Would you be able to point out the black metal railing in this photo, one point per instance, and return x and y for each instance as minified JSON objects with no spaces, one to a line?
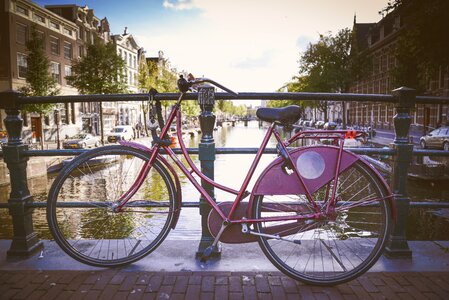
{"x":16,"y":155}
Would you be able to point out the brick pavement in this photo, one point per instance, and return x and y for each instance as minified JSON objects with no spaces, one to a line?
{"x":120,"y":284}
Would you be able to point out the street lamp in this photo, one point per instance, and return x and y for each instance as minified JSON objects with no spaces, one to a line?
{"x":57,"y":120}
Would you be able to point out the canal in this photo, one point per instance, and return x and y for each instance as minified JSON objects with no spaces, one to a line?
{"x":230,"y":170}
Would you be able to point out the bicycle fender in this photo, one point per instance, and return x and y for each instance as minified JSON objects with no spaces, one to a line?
{"x":178,"y":200}
{"x":318,"y":169}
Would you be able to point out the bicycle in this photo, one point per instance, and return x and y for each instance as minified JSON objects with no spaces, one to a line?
{"x":321,"y":214}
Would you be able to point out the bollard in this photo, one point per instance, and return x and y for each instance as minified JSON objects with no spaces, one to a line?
{"x":397,"y":246}
{"x":206,"y":149}
{"x":25,"y":241}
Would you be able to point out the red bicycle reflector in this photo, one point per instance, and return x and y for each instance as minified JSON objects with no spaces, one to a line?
{"x":351,"y":134}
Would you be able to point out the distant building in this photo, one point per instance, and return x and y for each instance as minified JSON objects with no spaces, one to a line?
{"x":129,"y":112}
{"x":378,"y":40}
{"x":88,"y":28}
{"x":17,"y":17}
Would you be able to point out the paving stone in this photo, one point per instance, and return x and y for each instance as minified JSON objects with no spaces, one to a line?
{"x":236,"y":296}
{"x":262,"y":285}
{"x":208,"y":284}
{"x":193,"y":291}
{"x":289,"y":285}
{"x":221,"y":292}
{"x":249,"y":292}
{"x":155,"y":283}
{"x":206,"y":296}
{"x":181,"y":284}
{"x":128,"y":282}
{"x":235,"y":284}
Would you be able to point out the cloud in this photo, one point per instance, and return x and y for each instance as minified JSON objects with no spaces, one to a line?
{"x":179,"y":4}
{"x":303,"y":41}
{"x":262,"y":61}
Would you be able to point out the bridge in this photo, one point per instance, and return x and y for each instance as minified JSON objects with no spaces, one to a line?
{"x":25,"y":242}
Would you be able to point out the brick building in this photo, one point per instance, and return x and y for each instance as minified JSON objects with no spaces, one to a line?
{"x":378,"y":41}
{"x":17,"y":17}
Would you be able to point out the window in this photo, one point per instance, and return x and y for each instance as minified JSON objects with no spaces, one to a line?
{"x":120,"y":52}
{"x":130,"y":79}
{"x":67,"y":71}
{"x":126,"y":57}
{"x":39,"y":18}
{"x":135,"y":62}
{"x":130,"y":60}
{"x":22,"y":65}
{"x":21,"y":10}
{"x":54,"y":45}
{"x":56,"y":71}
{"x":80,"y":33}
{"x":67,"y":31}
{"x":67,"y":50}
{"x":54,"y":25}
{"x":21,"y":33}
{"x":80,"y":51}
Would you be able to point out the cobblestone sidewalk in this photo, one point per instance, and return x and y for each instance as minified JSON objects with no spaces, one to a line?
{"x":118,"y":284}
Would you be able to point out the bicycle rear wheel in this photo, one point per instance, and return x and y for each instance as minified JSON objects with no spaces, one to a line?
{"x":82,"y":199}
{"x":328,"y":251}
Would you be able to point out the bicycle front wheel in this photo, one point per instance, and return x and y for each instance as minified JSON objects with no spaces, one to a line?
{"x":331,"y":250}
{"x":82,"y":200}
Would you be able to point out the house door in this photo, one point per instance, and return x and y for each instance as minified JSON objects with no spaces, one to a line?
{"x":36,"y":129}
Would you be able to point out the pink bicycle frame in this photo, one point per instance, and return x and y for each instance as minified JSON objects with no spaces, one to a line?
{"x":241,"y":193}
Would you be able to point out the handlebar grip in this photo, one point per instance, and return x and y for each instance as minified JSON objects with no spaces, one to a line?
{"x":183,"y":84}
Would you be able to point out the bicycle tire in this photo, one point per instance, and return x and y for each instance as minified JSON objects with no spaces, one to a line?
{"x":93,"y":233}
{"x":324,"y":252}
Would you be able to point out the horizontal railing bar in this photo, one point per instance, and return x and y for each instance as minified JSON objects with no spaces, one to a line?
{"x":241,"y":96}
{"x":365,"y":151}
{"x":426,"y":204}
{"x":74,"y":152}
{"x":425,"y":152}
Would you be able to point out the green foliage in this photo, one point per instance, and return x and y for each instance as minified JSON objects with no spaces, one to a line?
{"x":424,"y":44}
{"x":38,"y":78}
{"x":101,"y":71}
{"x":329,"y":65}
{"x":228,"y":107}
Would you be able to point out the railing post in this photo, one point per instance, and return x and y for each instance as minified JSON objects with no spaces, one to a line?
{"x":397,"y":246}
{"x":25,"y":241}
{"x":206,"y":149}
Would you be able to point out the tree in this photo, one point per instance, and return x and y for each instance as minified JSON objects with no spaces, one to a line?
{"x":39,"y":82}
{"x":329,"y":65}
{"x":100,"y":71}
{"x":423,"y":46}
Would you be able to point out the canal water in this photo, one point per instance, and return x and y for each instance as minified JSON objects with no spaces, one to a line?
{"x":230,"y":170}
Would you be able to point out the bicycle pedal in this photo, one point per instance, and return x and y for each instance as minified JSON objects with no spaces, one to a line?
{"x":207,"y":253}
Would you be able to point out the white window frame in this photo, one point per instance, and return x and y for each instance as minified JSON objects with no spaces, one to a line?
{"x":24,"y":59}
{"x":58,"y":68}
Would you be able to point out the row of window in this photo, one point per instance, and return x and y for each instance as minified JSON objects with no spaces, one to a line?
{"x":129,"y":58}
{"x":41,"y":19}
{"x":55,"y":42}
{"x":55,"y":68}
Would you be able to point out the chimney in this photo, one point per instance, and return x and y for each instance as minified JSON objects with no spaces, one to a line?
{"x":125,"y":32}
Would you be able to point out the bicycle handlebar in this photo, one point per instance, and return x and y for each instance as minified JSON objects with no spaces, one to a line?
{"x":184,"y":85}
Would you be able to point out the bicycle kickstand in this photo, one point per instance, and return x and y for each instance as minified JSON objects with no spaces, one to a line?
{"x":209,"y":250}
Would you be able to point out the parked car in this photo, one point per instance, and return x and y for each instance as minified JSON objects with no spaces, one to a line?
{"x":438,"y":138}
{"x":120,"y":133}
{"x":330,"y":126}
{"x":319,"y":124}
{"x":81,"y":141}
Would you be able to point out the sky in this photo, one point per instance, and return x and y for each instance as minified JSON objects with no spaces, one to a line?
{"x":246,"y":45}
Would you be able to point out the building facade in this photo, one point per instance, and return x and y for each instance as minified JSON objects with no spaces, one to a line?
{"x":129,"y":112}
{"x":378,"y":41}
{"x":88,"y":29}
{"x":18,"y":18}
